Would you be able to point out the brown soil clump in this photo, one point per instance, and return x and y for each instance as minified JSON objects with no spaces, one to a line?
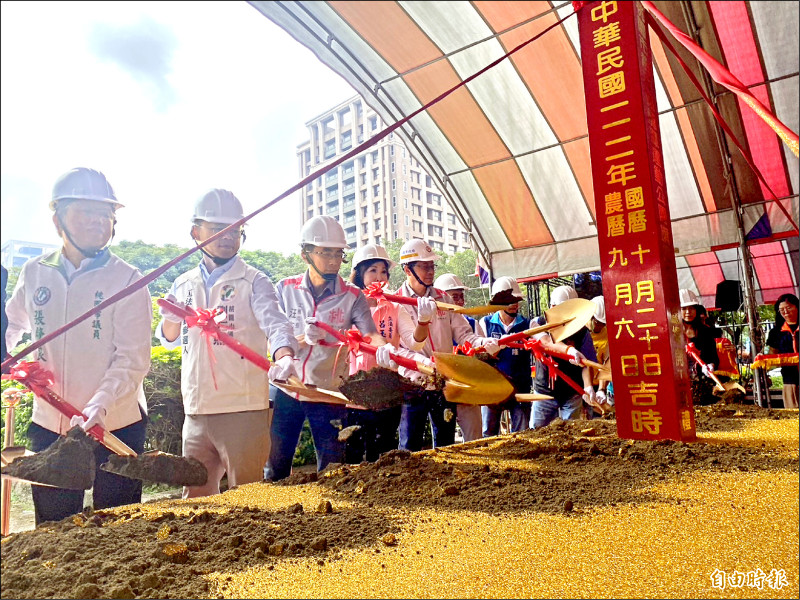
{"x":158,"y":467}
{"x":379,"y":388}
{"x":67,"y":463}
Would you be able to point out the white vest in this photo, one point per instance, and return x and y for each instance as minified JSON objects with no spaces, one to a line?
{"x":107,"y":354}
{"x":323,"y":366}
{"x":240,"y":385}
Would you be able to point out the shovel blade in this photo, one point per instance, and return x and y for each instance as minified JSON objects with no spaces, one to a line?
{"x":578,"y":310}
{"x":471,"y":381}
{"x":158,"y":467}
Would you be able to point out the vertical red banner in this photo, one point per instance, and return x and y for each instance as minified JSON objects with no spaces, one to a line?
{"x":649,"y":366}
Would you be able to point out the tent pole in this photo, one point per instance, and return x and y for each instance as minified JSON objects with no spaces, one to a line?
{"x":760,"y":389}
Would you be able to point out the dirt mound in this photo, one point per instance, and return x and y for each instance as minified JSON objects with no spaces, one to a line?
{"x":125,"y":554}
{"x":569,"y":468}
{"x":563,"y":467}
{"x":158,"y":467}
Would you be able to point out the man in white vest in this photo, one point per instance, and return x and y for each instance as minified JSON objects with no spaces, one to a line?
{"x":99,"y":364}
{"x":225,"y":397}
{"x":445,"y":329}
{"x":319,"y":294}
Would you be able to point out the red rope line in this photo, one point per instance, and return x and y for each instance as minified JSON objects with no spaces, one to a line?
{"x":297,"y":186}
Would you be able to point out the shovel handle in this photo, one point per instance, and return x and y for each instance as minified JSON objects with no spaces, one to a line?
{"x":692,"y":350}
{"x":365,"y":347}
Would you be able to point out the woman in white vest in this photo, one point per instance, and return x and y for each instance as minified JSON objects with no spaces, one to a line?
{"x":378,"y":428}
{"x":99,"y":364}
{"x":225,"y":397}
{"x":319,"y":294}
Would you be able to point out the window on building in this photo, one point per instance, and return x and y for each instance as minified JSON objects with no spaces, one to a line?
{"x":362,"y":162}
{"x":405,"y":219}
{"x":393,"y":168}
{"x":407,"y":236}
{"x":453,"y":234}
{"x":404,"y":167}
{"x":394,"y":219}
{"x":437,"y":245}
{"x":377,"y":224}
{"x":373,"y":123}
{"x":374,"y":157}
{"x":391,"y":148}
{"x":394,"y":184}
{"x":395,"y":234}
{"x":405,"y":186}
{"x":376,"y":189}
{"x":364,"y":211}
{"x":362,"y":179}
{"x":310,"y":214}
{"x":364,"y":229}
{"x":310,"y":200}
{"x":394,"y":201}
{"x":347,"y":140}
{"x":376,"y":208}
{"x":465,"y":237}
{"x":453,"y":249}
{"x":330,"y":148}
{"x":405,"y":203}
{"x":451,"y":219}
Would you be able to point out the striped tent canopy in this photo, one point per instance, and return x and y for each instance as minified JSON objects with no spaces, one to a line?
{"x":510,"y":149}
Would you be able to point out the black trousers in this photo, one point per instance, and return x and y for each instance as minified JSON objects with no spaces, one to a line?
{"x":55,"y":504}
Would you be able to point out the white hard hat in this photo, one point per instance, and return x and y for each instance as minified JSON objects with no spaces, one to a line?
{"x":689,"y":298}
{"x":448,"y":282}
{"x":416,"y":249}
{"x":83,"y":184}
{"x":323,"y":231}
{"x":600,"y":311}
{"x":218,"y":206}
{"x":370,"y":252}
{"x":561,"y":294}
{"x":505,"y":283}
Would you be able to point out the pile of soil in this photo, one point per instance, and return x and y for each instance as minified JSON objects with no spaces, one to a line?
{"x":567,"y":468}
{"x":158,"y":467}
{"x":379,"y":388}
{"x":67,"y":463}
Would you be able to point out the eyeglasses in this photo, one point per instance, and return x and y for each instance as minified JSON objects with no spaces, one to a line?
{"x":95,"y":213}
{"x":215,"y":229}
{"x":335,"y":254}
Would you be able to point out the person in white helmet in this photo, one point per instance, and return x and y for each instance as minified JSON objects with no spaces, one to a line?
{"x":226,"y":398}
{"x":98,"y":365}
{"x":599,"y":332}
{"x":445,"y":328}
{"x":566,"y":404}
{"x":701,"y":335}
{"x":319,"y":294}
{"x":452,"y":284}
{"x":514,"y":363}
{"x":378,"y":428}
{"x":469,"y":415}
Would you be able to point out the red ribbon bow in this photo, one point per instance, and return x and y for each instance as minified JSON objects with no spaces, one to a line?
{"x":375,"y":290}
{"x":206,"y":320}
{"x":467,"y":349}
{"x":31,"y":374}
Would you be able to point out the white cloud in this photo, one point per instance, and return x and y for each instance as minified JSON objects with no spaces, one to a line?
{"x":168,"y":99}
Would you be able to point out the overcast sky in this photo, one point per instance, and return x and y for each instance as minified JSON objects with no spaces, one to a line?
{"x":168,"y":99}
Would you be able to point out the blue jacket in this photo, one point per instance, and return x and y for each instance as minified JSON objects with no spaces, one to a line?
{"x":512,"y":362}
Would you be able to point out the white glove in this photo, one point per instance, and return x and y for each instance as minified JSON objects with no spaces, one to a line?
{"x":491,"y":346}
{"x":313,"y":334}
{"x":601,"y":397}
{"x":707,"y":370}
{"x":282,"y":369}
{"x":577,"y":357}
{"x":93,"y":414}
{"x":590,"y":397}
{"x":383,"y":359}
{"x":169,"y":315}
{"x":426,"y":309}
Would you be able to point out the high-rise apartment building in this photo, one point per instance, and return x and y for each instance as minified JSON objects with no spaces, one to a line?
{"x":381,"y":195}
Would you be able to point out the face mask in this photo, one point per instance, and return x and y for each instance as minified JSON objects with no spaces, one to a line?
{"x":330,"y":276}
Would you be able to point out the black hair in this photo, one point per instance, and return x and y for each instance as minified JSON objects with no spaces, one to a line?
{"x":791,"y":299}
{"x":357,"y":274}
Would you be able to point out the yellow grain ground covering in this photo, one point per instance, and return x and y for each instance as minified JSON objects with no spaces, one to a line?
{"x":732,"y":522}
